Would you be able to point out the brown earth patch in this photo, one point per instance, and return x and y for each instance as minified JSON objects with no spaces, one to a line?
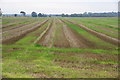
{"x":60,"y":39}
{"x":46,"y":39}
{"x":39,"y":75}
{"x":75,"y":40}
{"x":6,"y":25}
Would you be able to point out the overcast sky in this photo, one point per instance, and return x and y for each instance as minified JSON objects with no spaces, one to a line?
{"x":58,"y":6}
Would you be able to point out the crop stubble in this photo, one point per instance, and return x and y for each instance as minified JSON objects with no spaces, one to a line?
{"x":20,"y":33}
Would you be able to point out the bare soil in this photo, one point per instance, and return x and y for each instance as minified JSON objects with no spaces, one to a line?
{"x":46,"y":39}
{"x":74,"y":39}
{"x":60,"y":39}
{"x":6,"y":25}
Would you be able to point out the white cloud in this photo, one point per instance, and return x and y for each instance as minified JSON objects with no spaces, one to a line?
{"x":58,"y":6}
{"x":59,"y":0}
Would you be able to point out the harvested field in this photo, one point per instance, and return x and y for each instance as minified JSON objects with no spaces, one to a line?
{"x":11,"y":27}
{"x":102,"y":25}
{"x":59,"y":47}
{"x":106,"y":29}
{"x":17,"y":33}
{"x":52,"y":38}
{"x":61,"y":36}
{"x":106,"y":38}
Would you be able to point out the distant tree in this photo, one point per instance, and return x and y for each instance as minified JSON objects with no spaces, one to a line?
{"x":15,"y":15}
{"x":118,"y":15}
{"x":66,"y":15}
{"x":63,"y":15}
{"x":85,"y":14}
{"x":44,"y":15}
{"x":40,"y":15}
{"x":89,"y":14}
{"x":50,"y":15}
{"x":0,"y":12}
{"x":34,"y":14}
{"x":23,"y":13}
{"x":74,"y":15}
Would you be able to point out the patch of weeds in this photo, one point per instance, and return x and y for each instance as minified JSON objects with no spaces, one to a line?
{"x":105,"y":62}
{"x":38,"y":45}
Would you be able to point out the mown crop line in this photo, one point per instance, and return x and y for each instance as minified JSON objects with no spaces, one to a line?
{"x":22,"y":34}
{"x":101,"y":29}
{"x":18,"y":27}
{"x":16,"y":23}
{"x":98,"y":34}
{"x":84,"y":41}
{"x":64,"y":30}
{"x":53,"y":34}
{"x":49,"y":25}
{"x":74,"y":50}
{"x":44,"y":32}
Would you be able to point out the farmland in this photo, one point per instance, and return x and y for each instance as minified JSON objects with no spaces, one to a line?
{"x":59,"y":47}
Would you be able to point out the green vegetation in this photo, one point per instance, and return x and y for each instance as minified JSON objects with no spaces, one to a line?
{"x":34,"y":59}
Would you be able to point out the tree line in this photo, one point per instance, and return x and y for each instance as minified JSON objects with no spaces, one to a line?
{"x":89,"y":14}
{"x":85,"y":14}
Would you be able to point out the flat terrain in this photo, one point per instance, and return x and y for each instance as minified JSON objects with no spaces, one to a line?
{"x":60,"y":47}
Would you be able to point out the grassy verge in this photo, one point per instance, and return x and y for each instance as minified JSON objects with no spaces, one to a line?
{"x":54,"y":62}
